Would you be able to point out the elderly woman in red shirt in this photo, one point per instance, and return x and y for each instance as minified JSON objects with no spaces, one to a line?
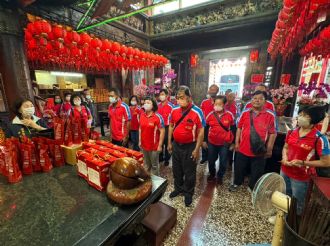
{"x":81,"y":113}
{"x":152,"y":132}
{"x":219,"y":137}
{"x":305,"y":148}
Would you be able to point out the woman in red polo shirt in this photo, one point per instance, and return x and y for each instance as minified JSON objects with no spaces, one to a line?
{"x":80,"y":114}
{"x":152,"y":132}
{"x":135,"y":114}
{"x":305,"y":148}
{"x":218,"y":135}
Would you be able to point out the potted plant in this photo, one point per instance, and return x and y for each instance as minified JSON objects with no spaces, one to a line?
{"x":280,"y":97}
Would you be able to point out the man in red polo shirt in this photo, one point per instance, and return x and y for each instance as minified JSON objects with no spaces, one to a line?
{"x":264,"y":122}
{"x":187,"y":127}
{"x":120,"y":117}
{"x":268,"y":105}
{"x":165,"y":109}
{"x":207,"y":107}
{"x":231,"y":104}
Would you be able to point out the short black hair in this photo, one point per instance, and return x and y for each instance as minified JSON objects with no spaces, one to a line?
{"x":137,"y":100}
{"x":317,"y":113}
{"x":18,"y":104}
{"x":115,"y":90}
{"x":75,"y":96}
{"x":260,"y":93}
{"x":154,"y":103}
{"x":164,"y":90}
{"x":185,"y":89}
{"x":221,"y":97}
{"x":67,"y":94}
{"x":86,"y":90}
{"x":229,"y":90}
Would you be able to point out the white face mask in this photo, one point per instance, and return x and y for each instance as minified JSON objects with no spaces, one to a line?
{"x":28,"y":111}
{"x":162,"y":98}
{"x":218,"y":108}
{"x":77,"y":103}
{"x":67,"y":99}
{"x":147,"y":107}
{"x":133,"y":103}
{"x":173,"y":98}
{"x":303,"y":121}
{"x":88,"y":97}
{"x":112,"y":100}
{"x":208,"y":96}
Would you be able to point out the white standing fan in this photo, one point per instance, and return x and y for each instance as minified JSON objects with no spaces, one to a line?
{"x":268,"y":198}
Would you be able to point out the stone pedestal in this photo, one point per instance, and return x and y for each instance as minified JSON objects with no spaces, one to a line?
{"x":13,"y":62}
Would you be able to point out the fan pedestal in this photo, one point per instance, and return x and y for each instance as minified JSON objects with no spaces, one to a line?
{"x":278,"y":229}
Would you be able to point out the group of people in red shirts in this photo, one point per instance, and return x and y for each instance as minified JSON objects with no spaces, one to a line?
{"x":163,"y":130}
{"x":306,"y":151}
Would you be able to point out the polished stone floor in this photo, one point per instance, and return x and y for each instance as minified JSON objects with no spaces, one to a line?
{"x":230,"y":218}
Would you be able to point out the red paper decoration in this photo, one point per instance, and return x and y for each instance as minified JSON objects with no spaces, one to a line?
{"x":254,"y":56}
{"x":257,"y":78}
{"x":193,"y":60}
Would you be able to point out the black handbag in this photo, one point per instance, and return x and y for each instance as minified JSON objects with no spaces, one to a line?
{"x":258,"y":146}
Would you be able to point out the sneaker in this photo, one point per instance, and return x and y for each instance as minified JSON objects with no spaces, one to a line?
{"x":187,"y":200}
{"x":203,"y":161}
{"x":272,"y":219}
{"x":175,"y":194}
{"x":233,"y":188}
{"x":210,"y":178}
{"x":166,"y":163}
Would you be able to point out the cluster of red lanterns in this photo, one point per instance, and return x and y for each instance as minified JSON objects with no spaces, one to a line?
{"x":319,"y":45}
{"x":57,"y":46}
{"x":296,"y":20}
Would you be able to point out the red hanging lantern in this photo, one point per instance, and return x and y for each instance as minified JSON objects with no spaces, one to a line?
{"x":59,"y":32}
{"x":42,"y":27}
{"x":27,"y":35}
{"x":123,"y":51}
{"x":106,"y":45}
{"x":32,"y":44}
{"x":96,"y":43}
{"x":254,"y":56}
{"x":115,"y":48}
{"x":30,"y":27}
{"x":72,"y":38}
{"x":85,"y":39}
{"x":193,"y":60}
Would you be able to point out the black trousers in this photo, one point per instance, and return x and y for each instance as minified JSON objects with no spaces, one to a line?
{"x":204,"y":154}
{"x":165,"y":155}
{"x":240,"y":166}
{"x":116,"y":142}
{"x":184,"y":168}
